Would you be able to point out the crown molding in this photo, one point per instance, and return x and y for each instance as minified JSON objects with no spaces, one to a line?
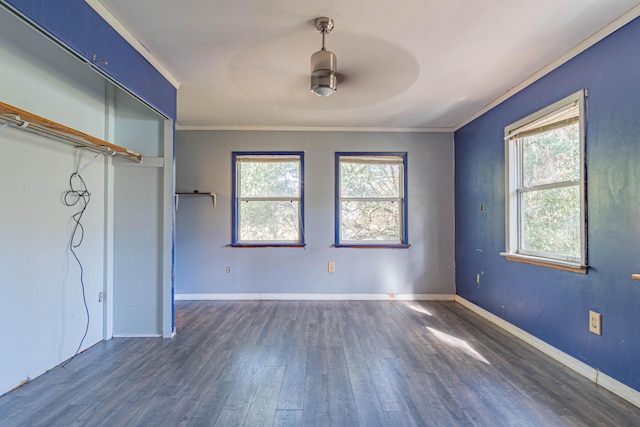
{"x":313,"y":129}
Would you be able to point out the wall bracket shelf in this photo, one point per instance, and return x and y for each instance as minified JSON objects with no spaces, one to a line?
{"x":197,"y":193}
{"x":36,"y":124}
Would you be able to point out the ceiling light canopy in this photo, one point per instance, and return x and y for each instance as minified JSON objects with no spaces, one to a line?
{"x":324,"y":74}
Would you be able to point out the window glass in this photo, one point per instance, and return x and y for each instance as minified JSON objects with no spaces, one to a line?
{"x":371,"y":200}
{"x":269,"y":177}
{"x":551,"y":156}
{"x":551,"y":222}
{"x":268,"y":221}
{"x":370,"y":221}
{"x":369,"y":179}
{"x":546,"y":194}
{"x":268,"y":203}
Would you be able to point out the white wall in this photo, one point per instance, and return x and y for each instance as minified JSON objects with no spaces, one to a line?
{"x":126,"y":252}
{"x":41,"y":306}
{"x":203,"y":162}
{"x":139,"y":197}
{"x":138,"y":252}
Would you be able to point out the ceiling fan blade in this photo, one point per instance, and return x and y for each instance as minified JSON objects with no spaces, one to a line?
{"x":342,"y":79}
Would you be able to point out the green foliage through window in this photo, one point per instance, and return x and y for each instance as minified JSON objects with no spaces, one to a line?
{"x":546,"y":182}
{"x":551,"y":216}
{"x":371,"y":198}
{"x":268,"y":205}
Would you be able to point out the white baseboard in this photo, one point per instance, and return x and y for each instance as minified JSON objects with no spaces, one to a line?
{"x":137,"y":335}
{"x":605,"y":381}
{"x":316,"y":297}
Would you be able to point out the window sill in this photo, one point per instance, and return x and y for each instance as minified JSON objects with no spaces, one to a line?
{"x":546,"y":262}
{"x":372,"y":246}
{"x":267,"y":245}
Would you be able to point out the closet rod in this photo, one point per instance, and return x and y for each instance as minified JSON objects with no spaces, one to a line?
{"x":33,"y":123}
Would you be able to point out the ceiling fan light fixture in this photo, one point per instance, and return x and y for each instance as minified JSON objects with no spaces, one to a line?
{"x":324,"y":79}
{"x":324,"y":74}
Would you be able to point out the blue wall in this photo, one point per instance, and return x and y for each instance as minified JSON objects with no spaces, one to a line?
{"x":75,"y":24}
{"x":551,"y":304}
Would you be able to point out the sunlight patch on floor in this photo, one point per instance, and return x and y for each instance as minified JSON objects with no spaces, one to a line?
{"x":418,"y":308}
{"x":459,"y":343}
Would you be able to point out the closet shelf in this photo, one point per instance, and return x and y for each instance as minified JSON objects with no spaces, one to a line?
{"x":34,"y":123}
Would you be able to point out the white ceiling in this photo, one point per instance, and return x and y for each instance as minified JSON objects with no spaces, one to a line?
{"x":412,"y":64}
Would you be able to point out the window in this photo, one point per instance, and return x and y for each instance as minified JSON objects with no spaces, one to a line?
{"x":545,"y":161}
{"x":371,"y":202}
{"x":268,"y":199}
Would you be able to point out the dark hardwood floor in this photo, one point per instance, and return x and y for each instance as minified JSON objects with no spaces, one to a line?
{"x":323,"y":363}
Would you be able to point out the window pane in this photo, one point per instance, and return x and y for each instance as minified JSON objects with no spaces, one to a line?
{"x":269,"y":220}
{"x":552,"y":156}
{"x":262,"y":178}
{"x":370,"y":220}
{"x":551,"y":221}
{"x":370,"y":180}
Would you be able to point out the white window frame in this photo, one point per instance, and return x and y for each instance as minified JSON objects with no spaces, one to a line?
{"x":399,"y":158}
{"x":265,"y":156}
{"x":514,"y":187}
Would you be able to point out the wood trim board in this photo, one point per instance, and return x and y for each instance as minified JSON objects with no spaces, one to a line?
{"x":316,"y":297}
{"x":81,"y":139}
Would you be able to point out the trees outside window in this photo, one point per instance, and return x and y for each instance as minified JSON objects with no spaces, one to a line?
{"x":268,"y":206}
{"x":371,"y":202}
{"x":546,"y":184}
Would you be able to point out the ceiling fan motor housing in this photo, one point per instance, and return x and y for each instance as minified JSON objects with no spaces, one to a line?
{"x":323,"y":73}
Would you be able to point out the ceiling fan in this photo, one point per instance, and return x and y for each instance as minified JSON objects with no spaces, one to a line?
{"x":324,"y":66}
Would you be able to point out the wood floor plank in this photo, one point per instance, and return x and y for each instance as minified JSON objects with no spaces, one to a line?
{"x":288,"y":418}
{"x":341,"y":401}
{"x":291,"y":394}
{"x":389,"y":385}
{"x":316,"y":401}
{"x":237,"y":406}
{"x":210,"y":404}
{"x":265,"y":401}
{"x":317,"y":363}
{"x":351,"y":342}
{"x":324,"y":363}
{"x":404,"y":419}
{"x":367,"y":403}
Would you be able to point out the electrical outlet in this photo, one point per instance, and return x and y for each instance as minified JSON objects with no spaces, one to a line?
{"x":595,"y":322}
{"x":332,"y":267}
{"x":478,"y":279}
{"x":228,"y":269}
{"x":100,"y":296}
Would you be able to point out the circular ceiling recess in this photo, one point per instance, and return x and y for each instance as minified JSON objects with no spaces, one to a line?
{"x":276,"y":70}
